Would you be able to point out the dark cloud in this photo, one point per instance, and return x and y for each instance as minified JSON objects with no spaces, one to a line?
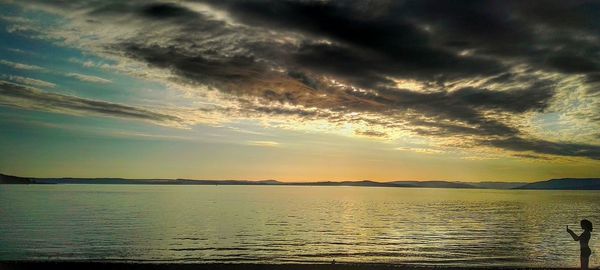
{"x":515,"y":100}
{"x":248,"y":77}
{"x":535,"y":98}
{"x":371,"y":133}
{"x":440,"y":113}
{"x":305,"y":79}
{"x":166,"y":10}
{"x":400,"y":46}
{"x":569,"y":63}
{"x":329,"y":59}
{"x":304,"y":114}
{"x":576,"y":15}
{"x":341,"y":62}
{"x":206,"y":69}
{"x":339,"y":21}
{"x":424,"y":37}
{"x":546,"y":147}
{"x":31,"y":98}
{"x":476,"y":126}
{"x":487,"y":27}
{"x":531,"y":156}
{"x":593,"y":78}
{"x":466,"y":105}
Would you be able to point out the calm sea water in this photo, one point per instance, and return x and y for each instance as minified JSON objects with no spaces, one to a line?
{"x":294,"y":224}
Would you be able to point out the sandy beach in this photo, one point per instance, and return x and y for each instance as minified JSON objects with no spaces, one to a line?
{"x":175,"y":266}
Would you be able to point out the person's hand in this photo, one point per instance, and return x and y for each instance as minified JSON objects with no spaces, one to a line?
{"x":568,"y":230}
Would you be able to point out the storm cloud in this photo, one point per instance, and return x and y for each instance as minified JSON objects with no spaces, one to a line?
{"x":473,"y":70}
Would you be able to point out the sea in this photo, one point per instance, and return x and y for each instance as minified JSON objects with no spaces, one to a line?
{"x":295,"y":224}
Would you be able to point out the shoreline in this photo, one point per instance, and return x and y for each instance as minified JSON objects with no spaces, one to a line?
{"x":91,"y":265}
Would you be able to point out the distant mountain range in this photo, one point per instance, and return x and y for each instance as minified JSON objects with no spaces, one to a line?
{"x":566,"y":183}
{"x":556,"y":184}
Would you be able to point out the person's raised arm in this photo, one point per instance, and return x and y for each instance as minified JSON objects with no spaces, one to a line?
{"x":575,"y":237}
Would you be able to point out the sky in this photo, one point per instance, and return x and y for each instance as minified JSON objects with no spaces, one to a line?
{"x":300,"y":90}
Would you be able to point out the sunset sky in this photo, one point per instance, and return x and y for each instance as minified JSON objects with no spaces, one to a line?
{"x":301,"y":90}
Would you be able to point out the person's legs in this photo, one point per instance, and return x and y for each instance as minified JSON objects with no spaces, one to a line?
{"x":585,"y":261}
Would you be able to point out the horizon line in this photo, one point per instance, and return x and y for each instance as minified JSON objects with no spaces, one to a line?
{"x":301,"y":182}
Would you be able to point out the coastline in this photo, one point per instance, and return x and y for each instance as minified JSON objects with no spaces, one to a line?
{"x":26,"y":265}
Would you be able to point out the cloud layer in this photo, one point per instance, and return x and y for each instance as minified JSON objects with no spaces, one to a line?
{"x":88,"y":78}
{"x":469,"y":73}
{"x":26,"y":97}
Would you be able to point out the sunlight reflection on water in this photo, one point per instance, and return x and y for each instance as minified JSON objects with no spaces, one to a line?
{"x":277,"y":224}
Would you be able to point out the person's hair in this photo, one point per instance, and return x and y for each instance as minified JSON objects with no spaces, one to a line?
{"x":587,"y":225}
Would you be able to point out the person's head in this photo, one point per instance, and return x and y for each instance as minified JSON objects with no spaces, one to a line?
{"x":587,"y":225}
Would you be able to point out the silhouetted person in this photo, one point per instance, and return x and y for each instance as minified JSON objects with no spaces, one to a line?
{"x":584,"y":240}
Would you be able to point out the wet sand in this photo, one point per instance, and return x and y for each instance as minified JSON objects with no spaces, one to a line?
{"x":183,"y":266}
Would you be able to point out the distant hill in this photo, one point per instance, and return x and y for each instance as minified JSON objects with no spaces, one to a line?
{"x":363,"y":183}
{"x":9,"y":179}
{"x":434,"y":184}
{"x":122,"y":181}
{"x":565,"y":184}
{"x":498,"y":185}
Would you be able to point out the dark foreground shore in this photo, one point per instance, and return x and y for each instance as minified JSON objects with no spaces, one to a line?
{"x":182,"y":266}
